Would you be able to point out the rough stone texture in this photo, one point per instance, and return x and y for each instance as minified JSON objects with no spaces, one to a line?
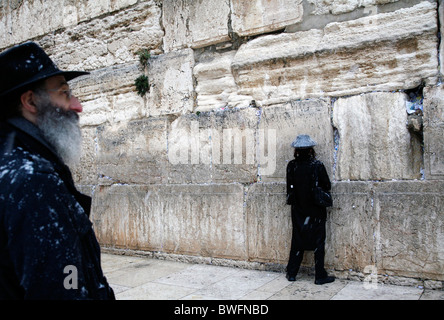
{"x":292,"y":119}
{"x":367,"y":124}
{"x":317,"y":14}
{"x":191,"y":220}
{"x":433,"y":132}
{"x":102,"y":41}
{"x":194,"y":24}
{"x":365,"y":228}
{"x":134,"y":152}
{"x":397,"y":227}
{"x":268,"y":223}
{"x":171,"y":83}
{"x":216,"y":87}
{"x":342,"y":59}
{"x":350,"y":227}
{"x":217,"y":147}
{"x":19,"y":15}
{"x":108,"y":95}
{"x":86,"y":172}
{"x":411,"y":229}
{"x":261,"y":16}
{"x":341,"y":6}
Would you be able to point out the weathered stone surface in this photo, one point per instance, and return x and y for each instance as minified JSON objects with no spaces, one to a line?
{"x":433,"y":132}
{"x":216,"y":87}
{"x":206,"y":220}
{"x":268,"y":223}
{"x":350,"y":227}
{"x":194,"y":24}
{"x":317,"y":14}
{"x":411,"y":229}
{"x":364,"y":227}
{"x":216,"y":147}
{"x":133,"y":152}
{"x":190,"y":149}
{"x":18,"y":16}
{"x":171,"y":83}
{"x":289,"y":120}
{"x":259,"y":16}
{"x":342,"y":59}
{"x":368,"y":124}
{"x":106,"y":81}
{"x":338,"y":6}
{"x":103,"y":42}
{"x":86,"y":172}
{"x":394,"y":227}
{"x":109,"y":96}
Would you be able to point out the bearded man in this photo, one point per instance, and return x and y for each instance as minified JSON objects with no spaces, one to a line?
{"x":48,"y":249}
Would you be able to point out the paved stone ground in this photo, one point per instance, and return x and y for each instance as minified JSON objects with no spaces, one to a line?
{"x":141,"y":278}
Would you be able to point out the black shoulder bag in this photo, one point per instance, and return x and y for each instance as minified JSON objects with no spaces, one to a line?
{"x":321,"y":197}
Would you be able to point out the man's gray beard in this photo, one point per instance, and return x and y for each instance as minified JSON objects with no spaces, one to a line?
{"x":61,"y":129}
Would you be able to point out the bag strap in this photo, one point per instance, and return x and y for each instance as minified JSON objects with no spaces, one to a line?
{"x":315,"y":175}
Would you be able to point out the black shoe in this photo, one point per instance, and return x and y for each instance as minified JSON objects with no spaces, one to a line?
{"x":324,"y":280}
{"x":290,"y":278}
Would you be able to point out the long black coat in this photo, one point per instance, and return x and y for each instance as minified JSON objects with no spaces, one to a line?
{"x":47,"y":245}
{"x":308,"y":219}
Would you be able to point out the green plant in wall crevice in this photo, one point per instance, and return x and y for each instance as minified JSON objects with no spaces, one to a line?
{"x":144,"y":57}
{"x":142,"y":83}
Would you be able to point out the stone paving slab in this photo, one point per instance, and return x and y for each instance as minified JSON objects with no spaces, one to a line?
{"x":141,"y":278}
{"x":356,"y":291}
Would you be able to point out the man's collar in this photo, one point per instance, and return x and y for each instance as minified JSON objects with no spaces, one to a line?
{"x":31,"y":129}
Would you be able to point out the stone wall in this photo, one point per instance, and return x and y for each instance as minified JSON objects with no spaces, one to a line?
{"x":196,"y":167}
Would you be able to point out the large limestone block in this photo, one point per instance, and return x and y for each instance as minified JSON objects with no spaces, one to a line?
{"x":261,"y":16}
{"x":133,"y":152}
{"x":18,"y":16}
{"x":344,"y":58}
{"x":433,"y":132}
{"x":109,"y":96}
{"x":194,"y":24}
{"x":337,"y":7}
{"x":216,"y":87}
{"x":106,"y":81}
{"x":351,"y":224}
{"x":374,"y":142}
{"x":216,"y":147}
{"x":411,"y":229}
{"x":312,"y":117}
{"x":86,"y":172}
{"x":202,"y":220}
{"x":268,"y":223}
{"x":106,"y":41}
{"x":171,"y":83}
{"x":190,"y":149}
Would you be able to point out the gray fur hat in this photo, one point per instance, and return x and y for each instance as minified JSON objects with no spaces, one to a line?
{"x":303,"y":141}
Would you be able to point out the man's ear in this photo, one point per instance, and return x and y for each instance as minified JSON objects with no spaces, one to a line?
{"x":27,"y":100}
{"x":29,"y":109}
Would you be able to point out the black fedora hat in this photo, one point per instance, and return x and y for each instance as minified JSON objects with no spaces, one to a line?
{"x":26,"y":64}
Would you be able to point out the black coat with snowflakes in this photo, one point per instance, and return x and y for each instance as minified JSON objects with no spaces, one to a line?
{"x":48,"y":249}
